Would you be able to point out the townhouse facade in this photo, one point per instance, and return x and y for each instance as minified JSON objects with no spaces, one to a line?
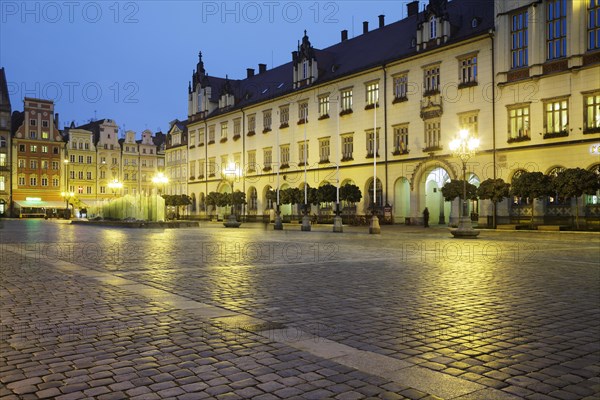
{"x":380,"y":109}
{"x":5,"y":147}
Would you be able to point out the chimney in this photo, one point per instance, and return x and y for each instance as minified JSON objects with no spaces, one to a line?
{"x":381,"y":21}
{"x":249,"y":72}
{"x":413,"y":8}
{"x":365,"y":27}
{"x":344,"y":35}
{"x":262,"y":68}
{"x":56,"y":120}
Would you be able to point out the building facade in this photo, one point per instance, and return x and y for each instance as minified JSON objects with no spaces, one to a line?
{"x":5,"y":147}
{"x":379,"y":110}
{"x":176,"y":153}
{"x":81,"y":167}
{"x":38,"y":173}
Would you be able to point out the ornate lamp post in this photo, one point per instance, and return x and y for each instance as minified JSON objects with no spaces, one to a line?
{"x":230,"y":174}
{"x":464,"y":147}
{"x":160,"y":180}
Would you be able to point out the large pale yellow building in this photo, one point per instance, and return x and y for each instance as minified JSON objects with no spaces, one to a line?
{"x":383,"y":106}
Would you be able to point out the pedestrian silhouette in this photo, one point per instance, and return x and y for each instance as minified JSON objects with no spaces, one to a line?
{"x":426,"y":218}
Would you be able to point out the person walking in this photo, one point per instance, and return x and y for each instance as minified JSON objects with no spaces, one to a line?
{"x":426,"y":218}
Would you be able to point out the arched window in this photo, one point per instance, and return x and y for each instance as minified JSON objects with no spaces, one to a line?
{"x":432,"y":28}
{"x":253,"y":199}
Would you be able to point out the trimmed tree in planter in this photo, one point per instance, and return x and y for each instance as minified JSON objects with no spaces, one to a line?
{"x":495,"y":190}
{"x":534,"y":185}
{"x":453,"y":189}
{"x":327,"y":193}
{"x":214,"y":199}
{"x":350,"y":194}
{"x":574,"y":183}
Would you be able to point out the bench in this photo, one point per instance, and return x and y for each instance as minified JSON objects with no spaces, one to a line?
{"x":507,"y":227}
{"x":553,"y":228}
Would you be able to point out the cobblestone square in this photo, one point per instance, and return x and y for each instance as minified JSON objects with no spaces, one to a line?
{"x":252,"y":313}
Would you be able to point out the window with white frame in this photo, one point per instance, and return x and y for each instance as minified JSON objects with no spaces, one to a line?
{"x":467,"y":70}
{"x":591,"y":113}
{"x":267,"y":121}
{"x":556,"y":121}
{"x":267,"y":158}
{"x":556,"y":29}
{"x":22,"y":162}
{"x":201,"y":137}
{"x":55,"y":182}
{"x":237,"y":127}
{"x":518,"y":122}
{"x":433,"y":134}
{"x":432,"y":28}
{"x":347,"y":147}
{"x":372,"y":94}
{"x":211,"y":134}
{"x":346,"y":101}
{"x":284,"y":155}
{"x":3,"y":158}
{"x":324,"y":150}
{"x":284,"y":116}
{"x":400,"y":139}
{"x":55,"y":165}
{"x":224,"y":126}
{"x":372,"y":143}
{"x":593,"y":27}
{"x":401,"y":87}
{"x":80,"y":174}
{"x":251,"y":124}
{"x":431,"y":79}
{"x":201,"y":166}
{"x":33,"y":164}
{"x":2,"y":183}
{"x":192,"y":140}
{"x":21,"y":180}
{"x":251,"y":160}
{"x":323,"y":106}
{"x":303,"y":153}
{"x":212,"y":167}
{"x":89,"y":175}
{"x":33,"y":181}
{"x":303,"y":112}
{"x":192,"y":169}
{"x":469,"y":121}
{"x":44,"y":182}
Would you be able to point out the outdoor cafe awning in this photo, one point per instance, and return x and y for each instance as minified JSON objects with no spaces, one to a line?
{"x":39,"y":204}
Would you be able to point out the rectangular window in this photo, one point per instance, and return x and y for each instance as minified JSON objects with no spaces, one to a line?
{"x":556,"y":29}
{"x":372,"y":143}
{"x":347,"y":147}
{"x":372,"y":94}
{"x":302,"y":153}
{"x":251,"y":161}
{"x":55,"y":150}
{"x":44,"y":149}
{"x":71,"y":174}
{"x":22,"y":148}
{"x":115,"y":161}
{"x":469,"y":122}
{"x":33,"y":181}
{"x":201,"y":137}
{"x":201,"y":166}
{"x":32,"y":134}
{"x":237,"y":127}
{"x":303,"y":112}
{"x":346,"y":101}
{"x":2,"y":183}
{"x":55,"y":165}
{"x":285,"y":155}
{"x":88,"y":190}
{"x":284,"y":116}
{"x":211,"y":134}
{"x":33,"y":148}
{"x":400,"y":139}
{"x":80,"y":159}
{"x":593,"y":26}
{"x":192,"y":169}
{"x":192,"y":140}
{"x":267,"y":159}
{"x":44,"y":181}
{"x":80,"y":174}
{"x":33,"y":164}
{"x":592,"y":113}
{"x":72,"y":158}
{"x":518,"y":123}
{"x":32,"y":122}
{"x":22,"y":163}
{"x":324,"y":148}
{"x":433,"y":134}
{"x":44,"y":164}
{"x":431,"y":82}
{"x":102,"y":174}
{"x":55,"y":182}
{"x":267,"y":120}
{"x":212,"y":167}
{"x":251,"y":124}
{"x":89,"y":159}
{"x":223,"y":131}
{"x":401,"y":87}
{"x":324,"y":107}
{"x":102,"y":189}
{"x":519,"y":40}
{"x":467,"y":71}
{"x":88,"y":176}
{"x":45,"y":135}
{"x":21,"y":181}
{"x":557,"y":118}
{"x":3,"y":158}
{"x":44,"y":124}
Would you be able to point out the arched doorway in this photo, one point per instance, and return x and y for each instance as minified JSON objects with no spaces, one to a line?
{"x":285,"y":209}
{"x":252,"y":200}
{"x":378,"y":203}
{"x":439,"y":209}
{"x":401,"y":208}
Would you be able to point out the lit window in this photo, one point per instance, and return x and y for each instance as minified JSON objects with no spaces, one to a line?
{"x":401,"y":139}
{"x":347,"y":147}
{"x":468,"y":70}
{"x":401,"y":87}
{"x":433,"y":134}
{"x":432,"y":79}
{"x":592,"y":113}
{"x":372,"y":92}
{"x":557,"y":117}
{"x":372,"y":143}
{"x":324,"y":147}
{"x":518,"y":123}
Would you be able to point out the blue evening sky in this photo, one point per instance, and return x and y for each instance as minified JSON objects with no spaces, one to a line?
{"x":131,"y":60}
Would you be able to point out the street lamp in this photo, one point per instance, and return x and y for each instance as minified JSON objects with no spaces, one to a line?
{"x":464,"y":147}
{"x":160,"y":180}
{"x":67,"y":196}
{"x":230,"y":174}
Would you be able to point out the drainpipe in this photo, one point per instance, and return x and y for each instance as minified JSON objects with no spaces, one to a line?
{"x":493,"y":119}
{"x":385,"y":132}
{"x":243,"y":166}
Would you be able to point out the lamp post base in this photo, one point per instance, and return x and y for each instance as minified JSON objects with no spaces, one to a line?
{"x":232,"y":222}
{"x":305,"y":223}
{"x":278,"y":226}
{"x":337,"y":224}
{"x":465,"y":229}
{"x":374,"y":227}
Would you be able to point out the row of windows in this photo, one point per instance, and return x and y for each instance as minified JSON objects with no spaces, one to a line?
{"x":33,"y":164}
{"x":33,"y":148}
{"x":556,"y":31}
{"x":34,"y":179}
{"x":556,"y":118}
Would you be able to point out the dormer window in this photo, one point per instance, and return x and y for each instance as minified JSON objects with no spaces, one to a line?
{"x":305,"y":69}
{"x":200,"y":105}
{"x":432,"y":28}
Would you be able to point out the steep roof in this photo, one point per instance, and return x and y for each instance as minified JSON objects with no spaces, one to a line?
{"x":4,"y":98}
{"x":377,"y":47}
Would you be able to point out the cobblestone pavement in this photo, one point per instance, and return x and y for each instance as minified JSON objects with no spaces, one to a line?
{"x":209,"y":312}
